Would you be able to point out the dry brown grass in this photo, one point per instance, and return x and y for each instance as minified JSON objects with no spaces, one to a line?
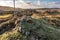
{"x":5,"y":16}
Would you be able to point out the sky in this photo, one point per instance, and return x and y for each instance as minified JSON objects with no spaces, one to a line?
{"x":32,"y":3}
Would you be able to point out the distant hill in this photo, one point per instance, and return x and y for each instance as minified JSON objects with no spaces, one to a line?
{"x":6,"y":8}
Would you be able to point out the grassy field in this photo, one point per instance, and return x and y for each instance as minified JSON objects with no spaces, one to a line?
{"x":47,"y":30}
